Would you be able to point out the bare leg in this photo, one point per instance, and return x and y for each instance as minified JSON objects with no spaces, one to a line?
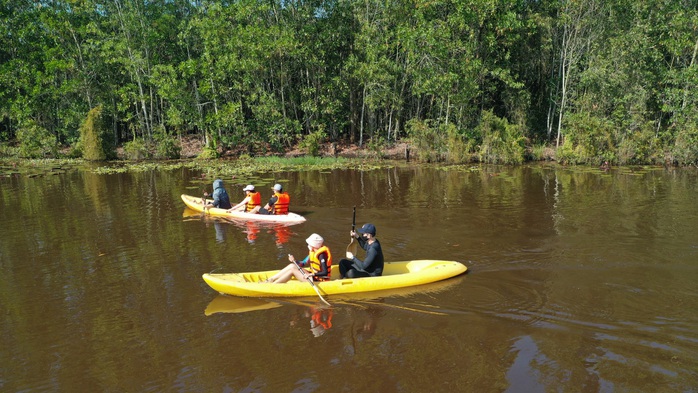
{"x":285,"y":274}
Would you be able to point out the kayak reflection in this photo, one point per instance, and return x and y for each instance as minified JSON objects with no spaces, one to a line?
{"x":236,"y":305}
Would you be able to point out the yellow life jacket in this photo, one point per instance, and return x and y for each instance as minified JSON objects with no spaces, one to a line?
{"x":315,"y":264}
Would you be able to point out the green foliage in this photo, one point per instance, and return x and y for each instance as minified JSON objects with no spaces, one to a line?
{"x":685,"y":148}
{"x":136,"y":150}
{"x":589,"y":140}
{"x":311,"y":143}
{"x":208,"y":153}
{"x":443,"y":143}
{"x":430,"y":143}
{"x":256,"y":76}
{"x":95,"y":137}
{"x":502,"y":143}
{"x":35,"y":141}
{"x":639,"y":146}
{"x":376,"y":146}
{"x":75,"y":150}
{"x":569,"y":153}
{"x":540,"y":152}
{"x":459,"y":148}
{"x":166,"y":146}
{"x":7,"y":150}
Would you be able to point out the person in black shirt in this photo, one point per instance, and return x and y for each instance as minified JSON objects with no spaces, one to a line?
{"x":372,"y":265}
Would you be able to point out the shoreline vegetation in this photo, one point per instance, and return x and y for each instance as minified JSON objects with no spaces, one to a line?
{"x":581,"y":83}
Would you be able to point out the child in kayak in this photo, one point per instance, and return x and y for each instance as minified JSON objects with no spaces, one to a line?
{"x":319,"y":260}
{"x":220,"y":196}
{"x":252,"y":201}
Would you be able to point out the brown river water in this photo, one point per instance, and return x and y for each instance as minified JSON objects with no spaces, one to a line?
{"x":579,"y":280}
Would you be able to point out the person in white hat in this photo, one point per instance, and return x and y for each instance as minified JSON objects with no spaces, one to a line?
{"x":316,"y":266}
{"x":252,"y":202}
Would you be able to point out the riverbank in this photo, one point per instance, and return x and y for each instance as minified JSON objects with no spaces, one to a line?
{"x":192,"y":146}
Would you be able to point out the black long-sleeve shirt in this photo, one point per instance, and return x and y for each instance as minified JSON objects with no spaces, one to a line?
{"x":373,"y":263}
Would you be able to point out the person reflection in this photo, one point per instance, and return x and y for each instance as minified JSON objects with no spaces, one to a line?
{"x":368,"y":327}
{"x":220,"y":231}
{"x":251,"y":230}
{"x":319,"y":316}
{"x":320,"y":319}
{"x":218,"y":226}
{"x":282,"y":233}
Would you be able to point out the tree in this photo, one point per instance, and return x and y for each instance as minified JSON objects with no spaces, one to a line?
{"x":95,"y":137}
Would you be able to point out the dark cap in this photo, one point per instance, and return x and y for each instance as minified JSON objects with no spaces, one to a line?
{"x":368,"y":228}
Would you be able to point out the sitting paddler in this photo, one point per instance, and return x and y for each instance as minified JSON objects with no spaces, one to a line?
{"x":372,"y":265}
{"x":278,"y":203}
{"x":220,"y":196}
{"x":319,"y":262}
{"x":251,"y":203}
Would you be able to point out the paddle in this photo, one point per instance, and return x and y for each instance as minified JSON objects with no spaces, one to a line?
{"x":203,"y":203}
{"x":353,"y":245}
{"x":310,"y":280}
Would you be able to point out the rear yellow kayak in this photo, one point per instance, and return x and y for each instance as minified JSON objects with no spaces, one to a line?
{"x":395,"y":275}
{"x":194,"y":203}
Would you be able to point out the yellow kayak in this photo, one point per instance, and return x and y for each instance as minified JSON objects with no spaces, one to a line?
{"x":194,"y":203}
{"x":395,"y":275}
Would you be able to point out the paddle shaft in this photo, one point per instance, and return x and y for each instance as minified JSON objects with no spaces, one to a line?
{"x":353,"y":220}
{"x":310,"y":280}
{"x":203,"y":202}
{"x":352,"y":244}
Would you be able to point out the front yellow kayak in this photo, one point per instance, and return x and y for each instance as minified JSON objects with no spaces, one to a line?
{"x":395,"y":275}
{"x":194,"y":203}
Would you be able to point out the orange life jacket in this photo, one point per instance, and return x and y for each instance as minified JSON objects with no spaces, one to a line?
{"x":282,"y":202}
{"x":315,"y":264}
{"x":255,"y":200}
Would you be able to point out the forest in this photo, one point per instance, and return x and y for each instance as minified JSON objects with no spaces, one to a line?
{"x":494,"y":81}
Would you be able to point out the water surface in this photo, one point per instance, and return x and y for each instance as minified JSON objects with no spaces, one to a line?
{"x":579,"y":281}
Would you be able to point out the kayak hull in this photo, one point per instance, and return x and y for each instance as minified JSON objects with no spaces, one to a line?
{"x":395,"y":275}
{"x":195,"y":204}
